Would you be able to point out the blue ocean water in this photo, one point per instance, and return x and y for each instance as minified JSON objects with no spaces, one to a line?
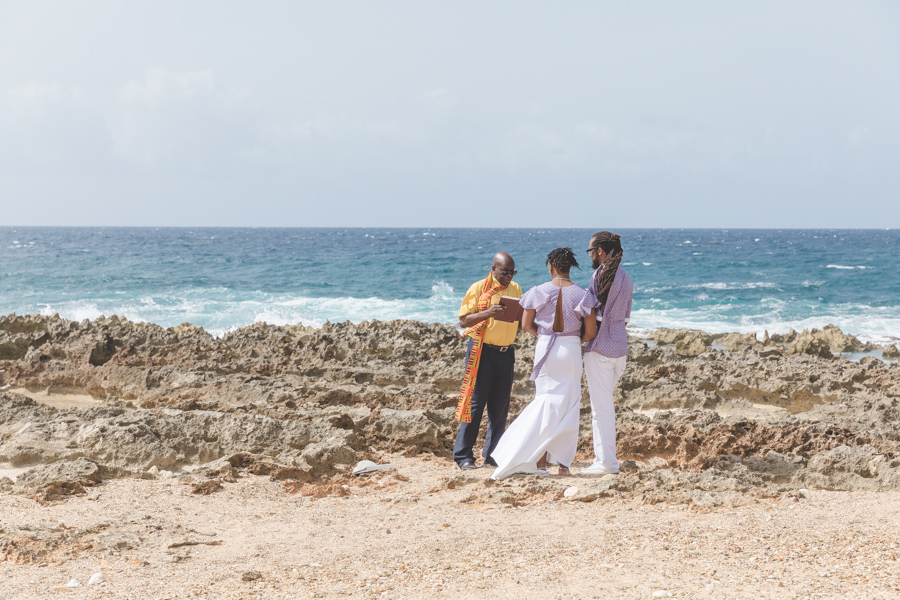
{"x":716,"y":280}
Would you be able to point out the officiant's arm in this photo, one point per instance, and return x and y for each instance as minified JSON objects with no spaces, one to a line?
{"x":475,"y":318}
{"x":590,"y":327}
{"x":528,"y":321}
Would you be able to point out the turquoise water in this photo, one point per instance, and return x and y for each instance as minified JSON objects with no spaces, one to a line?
{"x":716,"y":280}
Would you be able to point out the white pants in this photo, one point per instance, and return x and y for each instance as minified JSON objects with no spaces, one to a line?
{"x":602,"y":374}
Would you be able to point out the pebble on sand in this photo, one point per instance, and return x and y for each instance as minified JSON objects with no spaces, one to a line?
{"x":74,"y":584}
{"x":97,"y":578}
{"x":571,"y":492}
{"x":661,"y":594}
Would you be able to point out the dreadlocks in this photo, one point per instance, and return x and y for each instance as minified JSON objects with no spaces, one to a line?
{"x":611,"y":244}
{"x":562,"y":259}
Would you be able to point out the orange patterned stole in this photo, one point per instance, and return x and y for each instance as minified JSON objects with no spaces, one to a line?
{"x":464,"y":405}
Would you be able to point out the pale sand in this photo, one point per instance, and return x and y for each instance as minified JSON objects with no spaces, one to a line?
{"x":59,"y":400}
{"x":13,"y":473}
{"x":418,"y":539}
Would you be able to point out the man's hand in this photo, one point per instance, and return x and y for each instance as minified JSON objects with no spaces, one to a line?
{"x":475,"y":318}
{"x":495,"y":311}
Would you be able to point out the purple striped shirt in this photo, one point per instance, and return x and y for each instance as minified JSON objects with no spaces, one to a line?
{"x":612,"y":340}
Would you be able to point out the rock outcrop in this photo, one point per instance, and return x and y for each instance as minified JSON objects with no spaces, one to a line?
{"x":724,"y":412}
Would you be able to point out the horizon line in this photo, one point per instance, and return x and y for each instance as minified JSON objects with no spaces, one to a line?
{"x":438,"y":228}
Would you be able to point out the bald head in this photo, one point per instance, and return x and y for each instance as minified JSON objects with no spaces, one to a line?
{"x":504,"y":261}
{"x":504,"y":268}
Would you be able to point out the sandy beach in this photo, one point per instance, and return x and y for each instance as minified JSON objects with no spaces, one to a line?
{"x":423,"y":532}
{"x":180,"y":465}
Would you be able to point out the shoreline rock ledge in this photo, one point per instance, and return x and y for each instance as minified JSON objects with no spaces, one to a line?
{"x":704,"y":419}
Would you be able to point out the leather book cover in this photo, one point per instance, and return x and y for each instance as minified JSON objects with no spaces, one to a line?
{"x":513,"y":311}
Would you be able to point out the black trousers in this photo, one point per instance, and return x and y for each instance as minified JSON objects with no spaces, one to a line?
{"x":492,"y":388}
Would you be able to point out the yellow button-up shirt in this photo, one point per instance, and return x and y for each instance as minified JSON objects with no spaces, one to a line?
{"x":499,"y":333}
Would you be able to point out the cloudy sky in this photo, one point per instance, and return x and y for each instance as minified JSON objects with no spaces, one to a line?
{"x":502,"y":113}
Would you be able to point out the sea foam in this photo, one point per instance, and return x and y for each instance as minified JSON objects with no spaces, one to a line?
{"x":222,"y":279}
{"x":219,"y":312}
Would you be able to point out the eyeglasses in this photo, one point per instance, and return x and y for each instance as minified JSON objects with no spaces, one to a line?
{"x":589,"y":250}
{"x":505,"y":272}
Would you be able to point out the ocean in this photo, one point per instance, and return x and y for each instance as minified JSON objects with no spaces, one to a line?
{"x":717,"y":280}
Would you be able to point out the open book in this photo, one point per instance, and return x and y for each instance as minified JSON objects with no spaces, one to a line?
{"x":513,"y":311}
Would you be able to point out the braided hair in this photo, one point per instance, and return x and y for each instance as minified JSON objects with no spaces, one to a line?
{"x":562,"y":259}
{"x":611,"y":243}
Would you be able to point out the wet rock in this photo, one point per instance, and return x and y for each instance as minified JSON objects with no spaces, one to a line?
{"x":664,"y":336}
{"x":692,"y":343}
{"x":839,"y":341}
{"x":809,"y":343}
{"x":891,"y":351}
{"x":643,"y":355}
{"x":736,"y":341}
{"x":687,"y":342}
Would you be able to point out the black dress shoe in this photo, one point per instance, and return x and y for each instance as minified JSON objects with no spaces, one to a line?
{"x":467,"y":464}
{"x":490,"y":462}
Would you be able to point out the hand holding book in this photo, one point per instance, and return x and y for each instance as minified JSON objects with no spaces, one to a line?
{"x":513,"y":312}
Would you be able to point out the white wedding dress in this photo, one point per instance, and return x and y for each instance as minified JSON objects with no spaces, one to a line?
{"x":550,"y":422}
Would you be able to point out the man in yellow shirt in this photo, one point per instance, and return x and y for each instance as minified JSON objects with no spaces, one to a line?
{"x":494,"y":379}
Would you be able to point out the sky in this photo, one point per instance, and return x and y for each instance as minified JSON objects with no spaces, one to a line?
{"x":450,"y":114}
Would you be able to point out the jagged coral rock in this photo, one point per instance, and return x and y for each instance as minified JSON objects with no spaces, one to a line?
{"x":711,"y":419}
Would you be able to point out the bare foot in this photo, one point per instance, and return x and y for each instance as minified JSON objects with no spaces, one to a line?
{"x":564,"y":471}
{"x":542,"y":462}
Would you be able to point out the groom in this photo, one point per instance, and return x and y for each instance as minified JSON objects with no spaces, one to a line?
{"x":489,"y":361}
{"x":605,"y":355}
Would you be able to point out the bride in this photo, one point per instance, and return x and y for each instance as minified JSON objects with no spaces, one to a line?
{"x":547,"y":430}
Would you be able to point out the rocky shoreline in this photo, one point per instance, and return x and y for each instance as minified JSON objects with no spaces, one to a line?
{"x":707,"y":420}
